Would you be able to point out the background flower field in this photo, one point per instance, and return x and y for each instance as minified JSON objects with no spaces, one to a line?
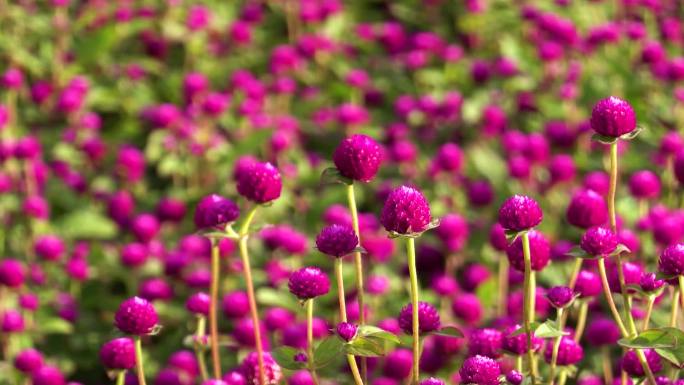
{"x":117,"y":118}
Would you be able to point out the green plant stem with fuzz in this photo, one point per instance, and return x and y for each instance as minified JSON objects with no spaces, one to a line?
{"x":309,"y":340}
{"x":674,"y":307}
{"x":139,"y":361}
{"x":358,"y":263}
{"x":244,"y":255}
{"x":199,"y":350}
{"x":581,"y":320}
{"x":121,"y":377}
{"x":680,"y":279}
{"x":607,"y":365}
{"x":343,"y":317}
{"x":503,"y":286}
{"x":649,"y":309}
{"x":602,"y":268}
{"x":413,"y":274}
{"x":556,"y":346}
{"x":528,"y":305}
{"x":213,"y":305}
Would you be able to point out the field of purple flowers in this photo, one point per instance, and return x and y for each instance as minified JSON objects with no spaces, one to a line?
{"x":329,"y":192}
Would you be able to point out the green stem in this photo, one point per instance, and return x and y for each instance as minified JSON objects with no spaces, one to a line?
{"x":649,"y":310}
{"x":503,"y":286}
{"x":358,"y":262}
{"x":681,"y":290}
{"x":609,"y":297}
{"x":254,"y":312}
{"x":121,"y":377}
{"x":343,"y":318}
{"x":607,"y":365}
{"x":581,"y":320}
{"x":647,"y":369}
{"x":139,"y":361}
{"x":563,"y":377}
{"x":575,"y":272}
{"x":199,"y":351}
{"x":528,"y":305}
{"x":413,"y":274}
{"x":556,"y":346}
{"x":309,"y":340}
{"x":213,"y":305}
{"x":674,"y":307}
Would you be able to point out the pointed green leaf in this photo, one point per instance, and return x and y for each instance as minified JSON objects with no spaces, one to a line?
{"x":450,"y":331}
{"x":603,"y":139}
{"x":548,"y":329}
{"x":675,"y":355}
{"x":284,"y":356}
{"x":377,"y":333}
{"x":660,"y":338}
{"x":633,"y":134}
{"x":365,"y":347}
{"x":521,"y":330}
{"x":326,"y":352}
{"x":331,"y":175}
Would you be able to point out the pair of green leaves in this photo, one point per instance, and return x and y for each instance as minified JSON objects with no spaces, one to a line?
{"x":547,"y":329}
{"x":610,"y":139}
{"x":668,"y":342}
{"x":577,"y":252}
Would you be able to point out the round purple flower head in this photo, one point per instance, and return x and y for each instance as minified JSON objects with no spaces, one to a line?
{"x":358,"y":157}
{"x":428,"y":318}
{"x":453,"y":232}
{"x":337,"y":240}
{"x":259,"y":182}
{"x":519,"y":213}
{"x":136,"y":316}
{"x":602,"y":331}
{"x":485,"y":342}
{"x":346,"y":331}
{"x":480,"y":370}
{"x":644,"y":184}
{"x":11,"y":321}
{"x":588,"y":284}
{"x":587,"y":209}
{"x":540,"y":252}
{"x":198,"y":303}
{"x":569,"y":352}
{"x":671,"y":261}
{"x":309,"y":282}
{"x":11,"y":273}
{"x":468,"y":308}
{"x":632,"y":365}
{"x":28,"y":360}
{"x":432,"y":381}
{"x":250,"y":368}
{"x":518,"y":344}
{"x":559,"y":296}
{"x":215,"y":211}
{"x":48,"y":375}
{"x":234,"y":377}
{"x":118,"y":353}
{"x":599,"y":241}
{"x":613,"y":117}
{"x":514,"y":377}
{"x":235,"y":304}
{"x":214,"y":382}
{"x":405,"y":211}
{"x":649,"y":282}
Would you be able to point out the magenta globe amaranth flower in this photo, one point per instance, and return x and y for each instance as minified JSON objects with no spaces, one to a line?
{"x":235,"y":304}
{"x":632,"y":365}
{"x":480,"y":370}
{"x":309,"y":282}
{"x":136,"y":316}
{"x":514,"y":377}
{"x":405,"y":211}
{"x":599,"y":241}
{"x":432,"y":381}
{"x":467,"y":307}
{"x":198,"y":303}
{"x":11,"y":321}
{"x":671,"y":261}
{"x":259,"y":182}
{"x":540,"y":252}
{"x":358,"y":157}
{"x":650,"y":283}
{"x":588,"y":284}
{"x":428,"y":318}
{"x":485,"y":342}
{"x":560,"y":296}
{"x":613,"y":117}
{"x":250,"y":369}
{"x":587,"y":209}
{"x":215,"y":211}
{"x":520,"y":213}
{"x":644,"y":184}
{"x":346,"y":331}
{"x":337,"y":240}
{"x":28,"y":360}
{"x":602,"y":331}
{"x":11,"y":273}
{"x":118,"y":353}
{"x":569,"y":352}
{"x":48,"y":375}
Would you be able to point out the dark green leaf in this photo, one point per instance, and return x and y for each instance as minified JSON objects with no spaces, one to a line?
{"x":675,"y":355}
{"x":87,"y":224}
{"x":577,"y":252}
{"x":377,"y":333}
{"x":272,"y":297}
{"x":655,"y":338}
{"x":326,"y":352}
{"x":450,"y":331}
{"x":365,"y":347}
{"x":521,"y":330}
{"x":633,"y":134}
{"x":620,"y":249}
{"x":603,"y":139}
{"x":284,"y":356}
{"x":512,"y":235}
